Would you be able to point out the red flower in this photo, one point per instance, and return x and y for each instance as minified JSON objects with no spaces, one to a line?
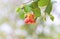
{"x":29,"y":19}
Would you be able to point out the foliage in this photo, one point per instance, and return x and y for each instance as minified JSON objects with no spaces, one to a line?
{"x":35,"y":8}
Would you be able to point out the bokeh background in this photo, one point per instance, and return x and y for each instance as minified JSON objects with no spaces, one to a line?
{"x":10,"y":23}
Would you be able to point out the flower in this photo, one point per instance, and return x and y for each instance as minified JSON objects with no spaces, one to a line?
{"x":29,"y":19}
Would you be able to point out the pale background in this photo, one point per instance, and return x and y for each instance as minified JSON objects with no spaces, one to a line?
{"x":10,"y":23}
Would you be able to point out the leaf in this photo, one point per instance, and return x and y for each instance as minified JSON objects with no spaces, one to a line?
{"x":48,"y":8}
{"x":27,"y":8}
{"x":52,"y":17}
{"x":37,"y":12}
{"x":43,"y":2}
{"x":18,"y":9}
{"x":34,"y":5}
{"x":22,"y":16}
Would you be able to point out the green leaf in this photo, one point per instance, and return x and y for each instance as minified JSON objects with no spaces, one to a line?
{"x":20,"y":13}
{"x":43,"y":2}
{"x":34,"y":5}
{"x":37,"y":12}
{"x":18,"y":9}
{"x":27,"y":8}
{"x":48,"y":8}
{"x":22,"y":16}
{"x":52,"y":17}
